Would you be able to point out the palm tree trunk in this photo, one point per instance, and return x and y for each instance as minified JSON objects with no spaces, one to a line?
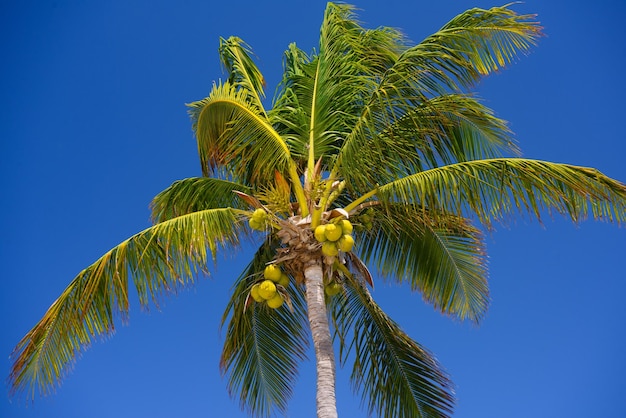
{"x":324,"y":355}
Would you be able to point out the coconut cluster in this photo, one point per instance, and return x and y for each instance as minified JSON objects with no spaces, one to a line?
{"x":335,"y":237}
{"x":267,"y":291}
{"x":258,"y":220}
{"x":332,"y":288}
{"x":367,"y":219}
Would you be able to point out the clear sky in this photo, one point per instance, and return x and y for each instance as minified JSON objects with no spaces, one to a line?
{"x":93,"y":125}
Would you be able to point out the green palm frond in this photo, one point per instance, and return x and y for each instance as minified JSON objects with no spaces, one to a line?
{"x":473,"y":44}
{"x":443,"y":258}
{"x":487,"y":39}
{"x":234,"y":138}
{"x":263,"y":346}
{"x":344,"y":73}
{"x":397,"y":378}
{"x":493,"y":189}
{"x":450,"y":61}
{"x":196,"y":194}
{"x":289,"y":114}
{"x":159,"y":260}
{"x":243,"y":72}
{"x":238,"y":143}
{"x":441,"y":130}
{"x":336,"y":83}
{"x":322,"y":95}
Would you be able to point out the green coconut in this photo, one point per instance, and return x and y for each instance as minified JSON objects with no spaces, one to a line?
{"x":333,"y":232}
{"x":272,"y":272}
{"x":254,"y":292}
{"x":320,"y":233}
{"x":256,"y":225}
{"x":259,"y":215}
{"x":276,"y":302}
{"x":284,"y":280}
{"x":267,"y":289}
{"x":346,"y":226}
{"x":329,"y":249}
{"x":332,"y":288}
{"x":345,"y":243}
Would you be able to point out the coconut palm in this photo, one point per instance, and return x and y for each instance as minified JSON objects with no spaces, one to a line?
{"x":374,"y":155}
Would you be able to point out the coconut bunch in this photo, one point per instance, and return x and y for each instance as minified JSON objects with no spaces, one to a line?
{"x":366,"y":219}
{"x":258,"y":220}
{"x":335,"y":237}
{"x":271,"y":290}
{"x":332,"y":288}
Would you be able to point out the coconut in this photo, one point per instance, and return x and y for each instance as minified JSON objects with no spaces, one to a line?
{"x":259,"y":215}
{"x":284,"y":280}
{"x":254,"y":292}
{"x":276,"y":302}
{"x":320,"y":233}
{"x":332,"y":288}
{"x":329,"y":249}
{"x":272,"y":272}
{"x":333,"y":232}
{"x":345,"y":243}
{"x":346,"y":226}
{"x":254,"y":224}
{"x":267,"y":289}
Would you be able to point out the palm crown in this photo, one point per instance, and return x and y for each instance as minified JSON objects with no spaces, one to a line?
{"x":372,"y":135}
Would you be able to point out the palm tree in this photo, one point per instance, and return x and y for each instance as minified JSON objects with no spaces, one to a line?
{"x":370,"y":141}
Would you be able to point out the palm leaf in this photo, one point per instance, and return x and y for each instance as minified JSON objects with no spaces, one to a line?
{"x":263,"y":347}
{"x":239,"y":144}
{"x":473,"y":44}
{"x":486,"y":39}
{"x":443,"y":258}
{"x":243,"y":72}
{"x":441,"y":130}
{"x":159,"y":260}
{"x":322,"y":95}
{"x":196,"y":194}
{"x":397,"y":378}
{"x":493,"y":189}
{"x":234,"y":138}
{"x":335,"y":81}
{"x":450,"y":61}
{"x":289,"y":114}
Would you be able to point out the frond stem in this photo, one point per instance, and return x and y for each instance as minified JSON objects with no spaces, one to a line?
{"x":360,"y":200}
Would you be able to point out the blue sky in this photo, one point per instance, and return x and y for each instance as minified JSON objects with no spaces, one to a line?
{"x":93,"y":125}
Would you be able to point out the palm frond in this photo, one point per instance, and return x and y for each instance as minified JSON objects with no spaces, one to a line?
{"x":263,"y":347}
{"x":352,"y":60}
{"x":443,"y":258}
{"x":322,"y":95}
{"x":493,"y":189}
{"x":473,"y":44}
{"x":243,"y":72}
{"x":487,"y":39}
{"x":238,"y":143}
{"x":335,"y":84}
{"x":196,"y":194}
{"x":442,"y":130}
{"x":289,"y":114}
{"x":235,"y":139}
{"x":158,"y":260}
{"x":397,"y":377}
{"x":441,"y":68}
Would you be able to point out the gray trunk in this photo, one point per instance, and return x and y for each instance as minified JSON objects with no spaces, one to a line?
{"x":324,"y":354}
